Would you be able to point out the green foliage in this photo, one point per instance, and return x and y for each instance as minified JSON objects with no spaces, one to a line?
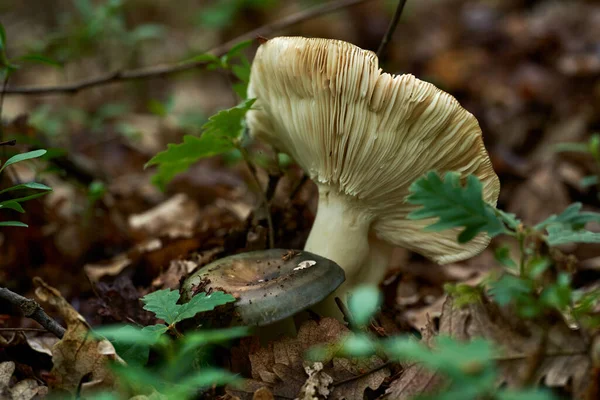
{"x":363,"y":304}
{"x":454,"y":205}
{"x":14,"y":203}
{"x":88,"y":31}
{"x":220,"y":13}
{"x":233,"y":61}
{"x":183,"y":366}
{"x":469,"y":367}
{"x":220,"y":134}
{"x":531,"y":284}
{"x":163,"y":303}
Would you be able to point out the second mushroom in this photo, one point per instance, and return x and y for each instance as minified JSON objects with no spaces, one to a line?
{"x":363,"y":136}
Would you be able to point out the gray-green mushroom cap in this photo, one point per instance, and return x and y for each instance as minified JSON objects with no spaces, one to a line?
{"x":269,"y":285}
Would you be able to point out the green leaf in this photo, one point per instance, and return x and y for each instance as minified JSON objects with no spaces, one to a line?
{"x":203,"y":378}
{"x":509,"y":219}
{"x":197,"y":339}
{"x":22,"y":157}
{"x":526,"y":394}
{"x":536,"y":266}
{"x":558,"y":295}
{"x":572,"y":147}
{"x":510,"y":288}
{"x":13,"y":223}
{"x":12,"y":205}
{"x":202,"y":302}
{"x":218,"y":137}
{"x":502,"y":255}
{"x":358,"y":345}
{"x":363,"y":303}
{"x":454,"y":205}
{"x":30,"y":197}
{"x":558,"y":235}
{"x":457,"y":360}
{"x":28,"y":185}
{"x":40,"y":59}
{"x":588,"y":181}
{"x":572,"y":217}
{"x":131,"y":343}
{"x":205,"y":58}
{"x":237,"y":48}
{"x":163,"y":303}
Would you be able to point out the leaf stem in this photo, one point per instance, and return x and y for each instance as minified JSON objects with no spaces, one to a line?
{"x":263,"y":197}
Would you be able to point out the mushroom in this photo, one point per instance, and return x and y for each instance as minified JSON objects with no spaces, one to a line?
{"x":363,"y":136}
{"x":270,"y":285}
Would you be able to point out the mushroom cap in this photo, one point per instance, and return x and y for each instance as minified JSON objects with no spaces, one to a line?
{"x":367,"y":134}
{"x":270,"y":285}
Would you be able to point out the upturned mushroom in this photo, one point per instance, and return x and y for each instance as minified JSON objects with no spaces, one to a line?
{"x":270,"y":286}
{"x":363,"y":136}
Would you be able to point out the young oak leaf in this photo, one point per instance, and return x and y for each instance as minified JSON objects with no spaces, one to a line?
{"x":454,"y":205}
{"x":163,"y":303}
{"x":218,"y":136}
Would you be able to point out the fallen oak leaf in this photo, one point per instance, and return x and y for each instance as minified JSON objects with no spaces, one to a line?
{"x":26,"y":389}
{"x":281,"y":367}
{"x":78,"y":356}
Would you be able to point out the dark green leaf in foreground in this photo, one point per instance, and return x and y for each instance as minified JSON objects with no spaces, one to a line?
{"x":218,"y":136}
{"x":163,"y":303}
{"x":454,"y":205}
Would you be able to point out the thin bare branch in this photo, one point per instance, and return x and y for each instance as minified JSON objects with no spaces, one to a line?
{"x":31,"y":309}
{"x":391,"y":28}
{"x":169,"y":69}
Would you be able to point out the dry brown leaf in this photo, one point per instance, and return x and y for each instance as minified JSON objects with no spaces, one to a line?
{"x":541,"y":195}
{"x":26,"y":389}
{"x":77,"y":355}
{"x":280,"y":366}
{"x":42,"y":344}
{"x":564,"y":362}
{"x":175,"y":218}
{"x":415,"y":378}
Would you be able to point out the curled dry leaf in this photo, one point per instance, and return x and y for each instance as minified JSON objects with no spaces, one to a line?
{"x":281,"y":367}
{"x":26,"y":389}
{"x":77,"y":356}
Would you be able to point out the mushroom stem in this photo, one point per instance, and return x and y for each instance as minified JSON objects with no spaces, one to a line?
{"x":340,"y":232}
{"x":371,"y":272}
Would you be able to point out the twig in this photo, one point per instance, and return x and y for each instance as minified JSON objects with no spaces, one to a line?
{"x":31,"y":309}
{"x":391,"y":28}
{"x":263,"y":198}
{"x":9,"y":142}
{"x":23,"y":330}
{"x":161,"y":70}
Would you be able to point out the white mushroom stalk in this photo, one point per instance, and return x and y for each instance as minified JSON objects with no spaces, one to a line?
{"x":363,"y":136}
